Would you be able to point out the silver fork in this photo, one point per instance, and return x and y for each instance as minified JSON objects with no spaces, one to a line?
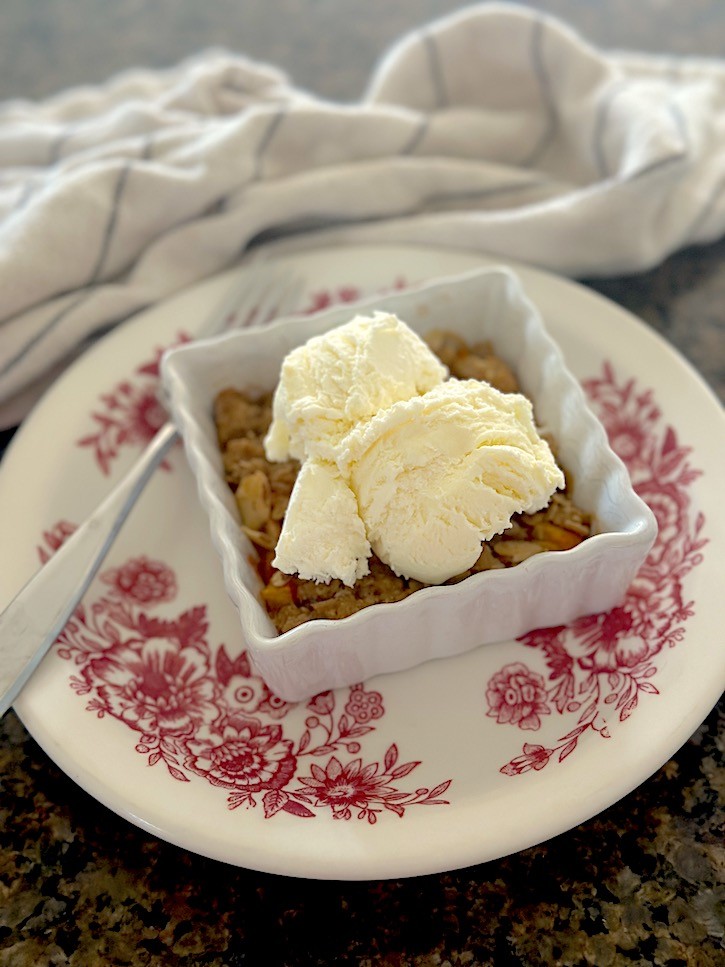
{"x":39,"y":612}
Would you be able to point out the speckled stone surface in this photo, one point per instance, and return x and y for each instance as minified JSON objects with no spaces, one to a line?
{"x":642,"y":884}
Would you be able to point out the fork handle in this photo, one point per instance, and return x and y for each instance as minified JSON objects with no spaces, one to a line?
{"x":37,"y":615}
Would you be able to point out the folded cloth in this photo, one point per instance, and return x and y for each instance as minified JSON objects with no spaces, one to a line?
{"x":497,"y":129}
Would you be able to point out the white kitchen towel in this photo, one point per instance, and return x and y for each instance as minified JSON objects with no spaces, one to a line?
{"x":497,"y":129}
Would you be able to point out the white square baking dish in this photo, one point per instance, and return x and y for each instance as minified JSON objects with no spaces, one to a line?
{"x":550,"y":588}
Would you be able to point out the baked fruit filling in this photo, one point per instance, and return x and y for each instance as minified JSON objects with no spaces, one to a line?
{"x":262,"y":491}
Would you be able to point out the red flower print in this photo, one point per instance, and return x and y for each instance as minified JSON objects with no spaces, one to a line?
{"x":669,"y":504}
{"x":326,"y":298}
{"x":628,"y":417}
{"x":245,"y":694}
{"x":161,"y":689}
{"x":605,"y":629}
{"x":323,"y":704}
{"x":534,"y":757}
{"x":364,"y":706}
{"x":273,"y":706}
{"x":143,"y":580}
{"x":656,"y":610}
{"x":627,"y":437}
{"x":129,"y":415}
{"x":623,"y":637}
{"x":517,"y":696}
{"x":601,"y":665}
{"x":345,"y":787}
{"x":244,"y":756}
{"x":55,"y":538}
{"x":144,"y":418}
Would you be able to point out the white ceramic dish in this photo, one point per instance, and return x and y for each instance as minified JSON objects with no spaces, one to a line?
{"x":442,"y":756}
{"x":549,"y":589}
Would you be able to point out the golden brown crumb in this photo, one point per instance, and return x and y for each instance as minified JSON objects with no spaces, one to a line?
{"x":475,"y":362}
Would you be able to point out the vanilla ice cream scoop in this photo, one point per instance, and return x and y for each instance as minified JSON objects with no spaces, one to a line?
{"x":323,"y":536}
{"x":341,"y":379}
{"x":395,"y":460}
{"x":436,"y":475}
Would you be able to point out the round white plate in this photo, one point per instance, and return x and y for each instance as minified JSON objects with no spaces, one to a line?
{"x":149,"y":704}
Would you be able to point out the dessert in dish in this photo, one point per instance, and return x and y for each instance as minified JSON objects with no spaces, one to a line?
{"x":426,"y":451}
{"x":416,"y":468}
{"x":439,"y":621}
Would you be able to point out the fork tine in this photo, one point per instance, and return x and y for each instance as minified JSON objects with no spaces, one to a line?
{"x":241,"y":299}
{"x":225,"y":313}
{"x":279,"y":300}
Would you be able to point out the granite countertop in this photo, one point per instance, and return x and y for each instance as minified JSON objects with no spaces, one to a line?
{"x":642,"y":883}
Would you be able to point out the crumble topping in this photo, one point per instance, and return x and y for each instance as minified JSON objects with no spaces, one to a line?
{"x":262,"y":490}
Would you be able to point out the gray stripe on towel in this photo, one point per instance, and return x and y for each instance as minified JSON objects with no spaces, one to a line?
{"x":680,"y":121}
{"x":87,"y":290}
{"x":59,"y":142}
{"x":110,"y":224}
{"x":266,"y":141}
{"x":417,"y":136}
{"x":436,"y":69}
{"x":600,"y":126}
{"x":481,"y":194}
{"x":541,"y":71}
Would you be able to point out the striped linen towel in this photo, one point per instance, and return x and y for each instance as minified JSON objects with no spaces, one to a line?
{"x":497,"y":129}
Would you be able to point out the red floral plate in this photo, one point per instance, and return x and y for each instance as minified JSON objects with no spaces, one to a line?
{"x":148,"y":700}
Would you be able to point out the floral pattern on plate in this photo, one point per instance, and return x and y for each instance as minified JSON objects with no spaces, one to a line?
{"x":600,"y":665}
{"x":130,"y":414}
{"x":201,"y":713}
